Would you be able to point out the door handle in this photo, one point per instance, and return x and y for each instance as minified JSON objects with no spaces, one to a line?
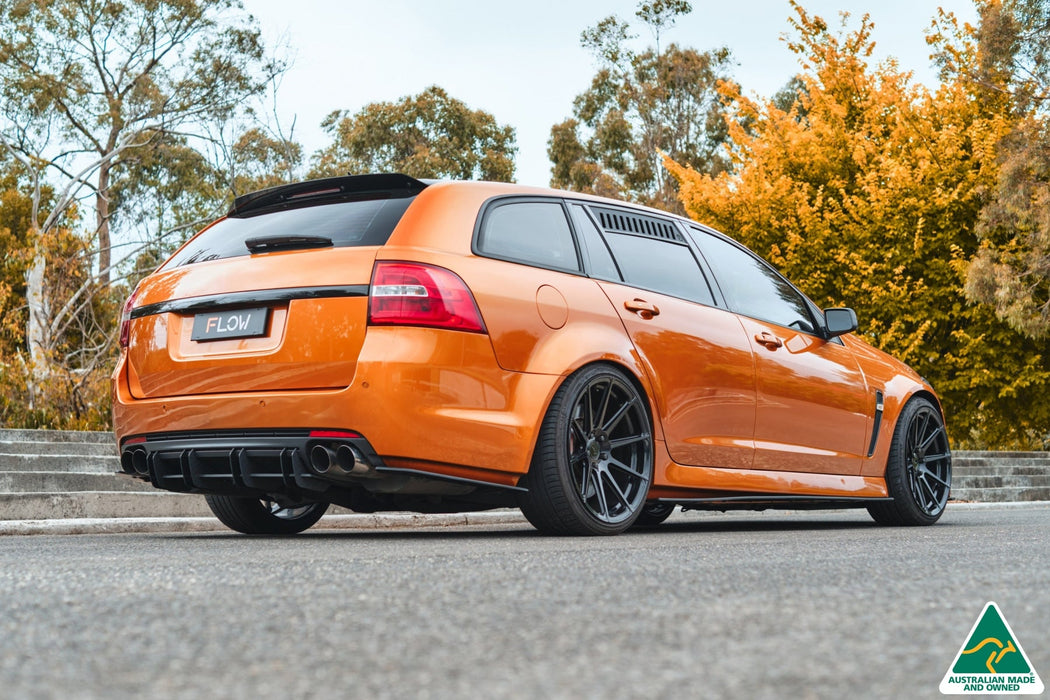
{"x":642,"y":308}
{"x":769,"y":340}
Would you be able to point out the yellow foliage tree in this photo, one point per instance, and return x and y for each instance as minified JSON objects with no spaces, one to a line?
{"x":866,"y":191}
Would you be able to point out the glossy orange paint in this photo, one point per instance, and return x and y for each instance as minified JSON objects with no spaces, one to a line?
{"x":729,"y":412}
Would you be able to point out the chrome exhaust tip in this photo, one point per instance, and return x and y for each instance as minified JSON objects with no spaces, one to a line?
{"x":351,"y":461}
{"x":322,"y":459}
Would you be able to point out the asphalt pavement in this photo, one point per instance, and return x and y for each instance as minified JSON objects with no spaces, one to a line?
{"x":749,"y":605}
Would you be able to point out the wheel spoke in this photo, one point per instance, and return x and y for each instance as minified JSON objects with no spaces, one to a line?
{"x":937,"y":458}
{"x":583,"y":482}
{"x":578,"y":432}
{"x":928,"y":507}
{"x":600,"y":419}
{"x":599,"y":491}
{"x":611,"y":424}
{"x":926,"y":443}
{"x":589,"y":410}
{"x":926,"y":418}
{"x":939,"y":480}
{"x":618,"y":492}
{"x":623,"y":467}
{"x":620,"y":442}
{"x":920,"y":497}
{"x":913,"y":436}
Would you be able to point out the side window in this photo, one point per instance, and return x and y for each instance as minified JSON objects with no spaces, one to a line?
{"x":595,"y":249}
{"x":660,"y":265}
{"x":529,"y":232}
{"x":753,"y":288}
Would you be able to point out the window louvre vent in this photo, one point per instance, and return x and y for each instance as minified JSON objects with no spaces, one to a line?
{"x":621,"y":222}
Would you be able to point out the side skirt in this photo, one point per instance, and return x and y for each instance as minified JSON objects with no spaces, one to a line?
{"x":764,"y":501}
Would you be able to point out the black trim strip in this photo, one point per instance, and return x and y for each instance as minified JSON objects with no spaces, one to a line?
{"x":446,"y":477}
{"x":252,"y":298}
{"x":768,"y":498}
{"x":878,"y":423}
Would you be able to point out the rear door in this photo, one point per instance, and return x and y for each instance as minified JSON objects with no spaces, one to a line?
{"x":697,"y":355}
{"x":272,"y":297}
{"x":813,"y":402}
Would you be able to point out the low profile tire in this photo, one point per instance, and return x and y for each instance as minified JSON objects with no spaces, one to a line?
{"x":593,"y":462}
{"x":653,"y":515}
{"x":919,"y":469}
{"x":253,"y":516}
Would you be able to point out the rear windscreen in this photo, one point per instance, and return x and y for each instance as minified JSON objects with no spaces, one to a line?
{"x":356,"y":223}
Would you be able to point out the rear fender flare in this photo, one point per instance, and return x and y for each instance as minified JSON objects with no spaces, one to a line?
{"x":587,"y":344}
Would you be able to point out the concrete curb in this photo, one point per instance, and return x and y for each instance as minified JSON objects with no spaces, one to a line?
{"x":356,"y":521}
{"x":986,"y":505}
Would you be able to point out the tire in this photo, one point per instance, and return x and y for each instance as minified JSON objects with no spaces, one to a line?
{"x":593,"y":462}
{"x":653,"y":515}
{"x":253,"y":516}
{"x":919,"y":468}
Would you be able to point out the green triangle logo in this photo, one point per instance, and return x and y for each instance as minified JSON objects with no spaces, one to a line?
{"x":991,"y":660}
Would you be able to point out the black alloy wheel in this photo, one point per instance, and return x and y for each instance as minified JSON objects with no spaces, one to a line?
{"x":593,"y":462}
{"x":919,"y":469}
{"x":254,"y":516}
{"x":653,"y":515}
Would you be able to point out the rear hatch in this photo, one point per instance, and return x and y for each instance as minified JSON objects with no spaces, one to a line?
{"x":272,"y":297}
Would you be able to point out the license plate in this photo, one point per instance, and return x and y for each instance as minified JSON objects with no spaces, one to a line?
{"x":221,"y":325}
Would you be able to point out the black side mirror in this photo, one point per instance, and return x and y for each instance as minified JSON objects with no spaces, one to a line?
{"x":840,"y":321}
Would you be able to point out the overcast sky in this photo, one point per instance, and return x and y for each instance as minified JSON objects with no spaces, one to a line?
{"x":523,"y":62}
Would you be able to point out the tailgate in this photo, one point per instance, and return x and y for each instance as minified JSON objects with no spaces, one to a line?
{"x":288,"y":320}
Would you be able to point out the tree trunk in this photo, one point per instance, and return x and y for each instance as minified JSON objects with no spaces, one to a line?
{"x":37,"y":335}
{"x":102,"y":219}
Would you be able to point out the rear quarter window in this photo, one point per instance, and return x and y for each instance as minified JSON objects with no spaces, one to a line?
{"x":535,"y":233}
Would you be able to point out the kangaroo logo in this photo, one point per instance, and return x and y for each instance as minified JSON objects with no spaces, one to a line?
{"x":997,"y":654}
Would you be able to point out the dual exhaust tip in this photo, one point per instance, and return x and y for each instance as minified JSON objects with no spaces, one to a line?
{"x":134,"y":462}
{"x":345,"y":460}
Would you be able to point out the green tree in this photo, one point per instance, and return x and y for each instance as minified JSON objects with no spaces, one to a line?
{"x":638,"y":105}
{"x":1011,"y":271}
{"x":429,"y":135}
{"x":260,"y":159}
{"x":868,"y":191}
{"x":83,"y":83}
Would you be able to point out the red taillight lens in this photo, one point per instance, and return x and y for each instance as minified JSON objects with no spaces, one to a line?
{"x":413,"y":294}
{"x":125,"y":319}
{"x":334,"y":434}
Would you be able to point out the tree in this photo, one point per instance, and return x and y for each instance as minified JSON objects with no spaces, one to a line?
{"x":429,"y":135}
{"x":83,"y":84}
{"x":867,"y":191}
{"x":639,"y":104}
{"x":170,"y":190}
{"x":76,"y":393}
{"x":1011,"y":271}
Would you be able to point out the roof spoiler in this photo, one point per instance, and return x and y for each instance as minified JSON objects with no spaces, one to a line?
{"x":300,"y":193}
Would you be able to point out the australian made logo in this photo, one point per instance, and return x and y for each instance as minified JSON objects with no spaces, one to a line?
{"x":991,"y":660}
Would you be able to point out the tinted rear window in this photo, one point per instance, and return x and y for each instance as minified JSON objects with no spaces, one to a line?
{"x":357,"y":223}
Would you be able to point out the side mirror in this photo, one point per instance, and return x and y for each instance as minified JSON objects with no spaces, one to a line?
{"x":840,"y":321}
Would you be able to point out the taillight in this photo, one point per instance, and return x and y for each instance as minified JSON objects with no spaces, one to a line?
{"x":413,"y":294}
{"x":125,"y":319}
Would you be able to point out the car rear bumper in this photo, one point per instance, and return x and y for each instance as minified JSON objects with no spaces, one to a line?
{"x":294,"y":466}
{"x":425,"y":400}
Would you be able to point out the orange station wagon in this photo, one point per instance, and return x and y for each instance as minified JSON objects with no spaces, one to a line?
{"x":382,"y":343}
